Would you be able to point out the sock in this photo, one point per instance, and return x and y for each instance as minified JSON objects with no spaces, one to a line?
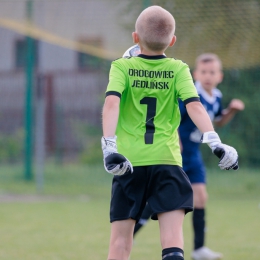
{"x":198,"y":220}
{"x":144,"y":218}
{"x":172,"y":253}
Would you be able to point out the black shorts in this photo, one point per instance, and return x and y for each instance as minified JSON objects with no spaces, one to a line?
{"x":164,"y":187}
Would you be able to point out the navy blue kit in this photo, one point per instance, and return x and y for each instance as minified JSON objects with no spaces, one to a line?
{"x":190,"y":135}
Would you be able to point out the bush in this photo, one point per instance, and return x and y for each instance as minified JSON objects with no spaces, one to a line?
{"x":11,"y":146}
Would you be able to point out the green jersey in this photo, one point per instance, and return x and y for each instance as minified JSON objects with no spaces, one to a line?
{"x":149,"y":87}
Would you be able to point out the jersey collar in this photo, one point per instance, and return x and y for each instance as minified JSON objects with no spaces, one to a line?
{"x":154,"y":57}
{"x":204,"y":93}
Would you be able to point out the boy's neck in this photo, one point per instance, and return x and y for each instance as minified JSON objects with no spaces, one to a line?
{"x":151,"y":53}
{"x":209,"y":91}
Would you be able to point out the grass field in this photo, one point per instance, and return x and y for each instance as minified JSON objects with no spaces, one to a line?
{"x":70,"y":219}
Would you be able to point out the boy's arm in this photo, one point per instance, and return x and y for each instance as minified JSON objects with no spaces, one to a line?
{"x":114,"y":162}
{"x":199,"y":116}
{"x":235,"y":106}
{"x":110,"y":115}
{"x":227,"y":154}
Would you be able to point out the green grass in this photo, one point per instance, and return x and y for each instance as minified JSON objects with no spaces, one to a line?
{"x":73,"y":222}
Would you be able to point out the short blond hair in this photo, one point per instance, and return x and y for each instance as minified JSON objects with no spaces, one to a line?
{"x":208,"y":57}
{"x":155,"y":27}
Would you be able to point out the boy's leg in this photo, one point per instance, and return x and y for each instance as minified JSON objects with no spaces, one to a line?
{"x":197,"y":175}
{"x":198,"y":218}
{"x":127,"y":203}
{"x":171,"y":234}
{"x":170,"y":196}
{"x":144,"y":218}
{"x":121,"y":239}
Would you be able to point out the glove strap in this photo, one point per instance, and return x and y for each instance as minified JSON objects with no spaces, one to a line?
{"x":109,"y":145}
{"x":209,"y":137}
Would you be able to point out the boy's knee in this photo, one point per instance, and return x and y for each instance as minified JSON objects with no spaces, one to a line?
{"x":201,"y":201}
{"x":122,"y":244}
{"x":200,"y":196}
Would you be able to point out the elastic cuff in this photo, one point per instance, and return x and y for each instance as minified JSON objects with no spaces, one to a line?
{"x":110,"y":137}
{"x":193,"y":99}
{"x":209,"y":137}
{"x":113,"y":93}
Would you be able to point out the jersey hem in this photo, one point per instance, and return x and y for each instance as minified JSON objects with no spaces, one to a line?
{"x":156,"y":163}
{"x":187,"y":209}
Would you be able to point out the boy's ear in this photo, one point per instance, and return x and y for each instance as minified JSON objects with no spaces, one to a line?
{"x":174,"y":39}
{"x":135,"y":37}
{"x":221,"y":75}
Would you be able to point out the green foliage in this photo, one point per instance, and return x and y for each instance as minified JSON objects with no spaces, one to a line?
{"x":92,"y":153}
{"x":11,"y":146}
{"x":89,"y":136}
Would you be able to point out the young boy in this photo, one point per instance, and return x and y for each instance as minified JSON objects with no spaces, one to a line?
{"x":207,"y":74}
{"x":141,"y":108}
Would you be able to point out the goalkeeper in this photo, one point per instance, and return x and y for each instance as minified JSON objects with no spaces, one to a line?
{"x":208,"y":74}
{"x":140,"y":139}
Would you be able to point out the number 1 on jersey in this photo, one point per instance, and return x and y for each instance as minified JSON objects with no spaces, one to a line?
{"x":151,"y":112}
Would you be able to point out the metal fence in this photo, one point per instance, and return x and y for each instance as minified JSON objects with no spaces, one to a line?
{"x":72,"y":109}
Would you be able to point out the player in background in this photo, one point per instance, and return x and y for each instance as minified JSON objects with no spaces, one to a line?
{"x":208,"y":74}
{"x":140,"y":140}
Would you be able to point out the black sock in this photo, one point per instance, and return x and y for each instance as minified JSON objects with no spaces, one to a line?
{"x":172,"y":253}
{"x":144,"y":218}
{"x":198,"y":220}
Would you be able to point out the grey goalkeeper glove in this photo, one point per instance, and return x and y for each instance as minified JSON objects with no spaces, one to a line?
{"x":114,"y":162}
{"x":228,"y":155}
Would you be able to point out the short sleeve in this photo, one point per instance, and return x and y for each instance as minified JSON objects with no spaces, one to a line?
{"x":182,"y":108}
{"x":184,"y":84}
{"x":117,"y":79}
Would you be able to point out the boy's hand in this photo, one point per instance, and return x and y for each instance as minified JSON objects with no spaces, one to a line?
{"x":236,"y":105}
{"x":114,"y":162}
{"x":228,"y":155}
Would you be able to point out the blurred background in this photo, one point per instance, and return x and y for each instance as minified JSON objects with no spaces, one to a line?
{"x":55,"y":57}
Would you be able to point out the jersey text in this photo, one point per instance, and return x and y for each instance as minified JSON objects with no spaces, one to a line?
{"x":150,"y":84}
{"x":151,"y":73}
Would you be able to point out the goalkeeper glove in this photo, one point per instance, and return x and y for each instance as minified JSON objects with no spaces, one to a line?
{"x":228,"y":155}
{"x":114,"y":162}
